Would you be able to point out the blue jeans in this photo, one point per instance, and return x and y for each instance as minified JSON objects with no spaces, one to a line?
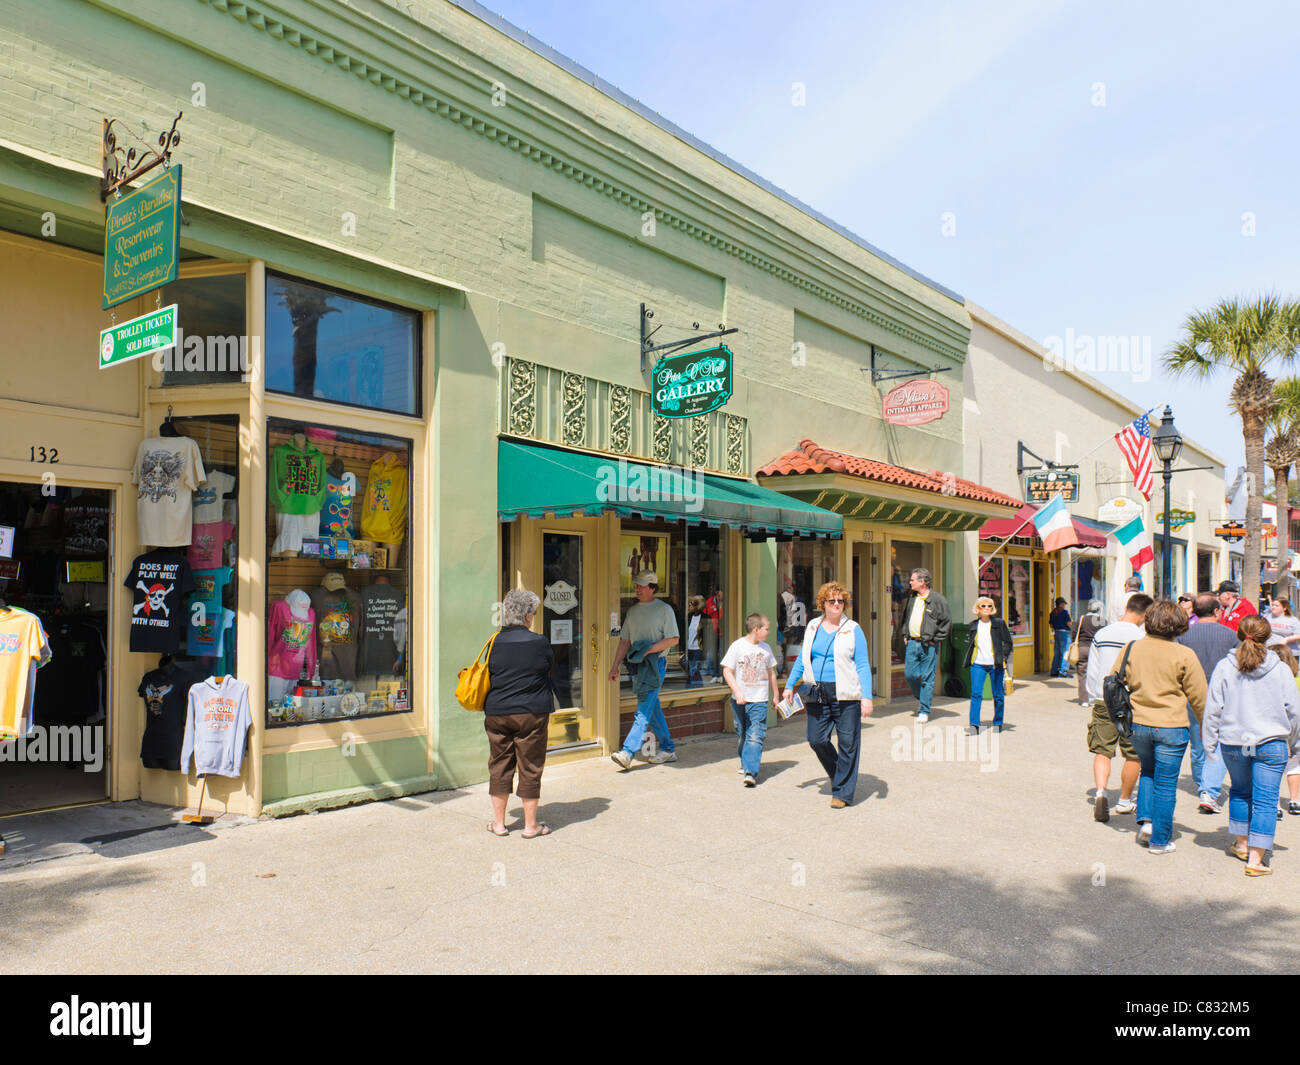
{"x":978,"y":675}
{"x":1060,"y":666}
{"x":751,"y":729}
{"x":1160,"y":753}
{"x":920,"y":664}
{"x":649,"y":714}
{"x":845,"y":718}
{"x":1207,"y":773}
{"x":1252,"y":799}
{"x":694,"y":678}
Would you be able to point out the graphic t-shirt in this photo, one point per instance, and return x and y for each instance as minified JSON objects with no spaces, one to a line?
{"x":336,"y":514}
{"x":290,"y":642}
{"x":85,"y":530}
{"x":380,"y":604}
{"x":23,"y":650}
{"x":338,"y":617}
{"x":383,"y":515}
{"x":159,"y":582}
{"x":167,"y":470}
{"x":750,"y":662}
{"x":217,"y":719}
{"x":208,"y":503}
{"x":209,"y":589}
{"x":207,"y":544}
{"x":297,"y":479}
{"x":166,"y":698}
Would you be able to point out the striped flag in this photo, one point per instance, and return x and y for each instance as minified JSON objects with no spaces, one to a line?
{"x":1054,"y":525}
{"x":1135,"y":442}
{"x":1134,"y":538}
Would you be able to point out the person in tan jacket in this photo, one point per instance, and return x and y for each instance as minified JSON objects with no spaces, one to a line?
{"x":1164,"y":678}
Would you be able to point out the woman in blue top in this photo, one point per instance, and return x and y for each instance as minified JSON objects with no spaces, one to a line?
{"x":839,"y":688}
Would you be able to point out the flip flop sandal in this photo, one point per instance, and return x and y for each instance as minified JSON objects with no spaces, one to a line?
{"x":543,"y":829}
{"x":503,"y":832}
{"x":1263,"y":870}
{"x":1242,"y":853}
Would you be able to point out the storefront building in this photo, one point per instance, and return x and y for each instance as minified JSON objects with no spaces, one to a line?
{"x":400,"y":290}
{"x":1011,"y":385}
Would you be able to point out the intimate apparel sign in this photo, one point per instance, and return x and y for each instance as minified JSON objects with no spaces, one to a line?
{"x":915,"y":403}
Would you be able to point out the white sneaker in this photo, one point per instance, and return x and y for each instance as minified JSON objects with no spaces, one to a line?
{"x":1162,"y":850}
{"x":621,"y":759}
{"x":749,"y":781}
{"x":662,"y":757}
{"x":922,"y":719}
{"x":1125,"y":806}
{"x":1144,"y":835}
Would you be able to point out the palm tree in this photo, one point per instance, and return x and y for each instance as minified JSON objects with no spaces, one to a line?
{"x":1281,"y":453}
{"x":1247,"y":339}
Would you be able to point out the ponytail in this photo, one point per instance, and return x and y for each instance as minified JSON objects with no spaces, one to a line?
{"x":1253,"y":632}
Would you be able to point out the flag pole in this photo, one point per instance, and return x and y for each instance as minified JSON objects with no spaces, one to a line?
{"x":1004,"y":543}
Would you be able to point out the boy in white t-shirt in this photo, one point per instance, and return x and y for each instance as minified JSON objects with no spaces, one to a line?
{"x":749,"y":668}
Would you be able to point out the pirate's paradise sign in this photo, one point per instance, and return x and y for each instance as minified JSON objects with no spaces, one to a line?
{"x":684,"y":386}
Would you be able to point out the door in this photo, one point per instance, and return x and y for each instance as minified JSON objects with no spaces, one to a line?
{"x":568,"y":620}
{"x":864,"y":575}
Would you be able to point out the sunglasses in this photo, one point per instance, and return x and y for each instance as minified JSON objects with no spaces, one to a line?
{"x":840,"y":601}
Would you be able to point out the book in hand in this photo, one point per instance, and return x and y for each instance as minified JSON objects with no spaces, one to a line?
{"x":789,"y":707}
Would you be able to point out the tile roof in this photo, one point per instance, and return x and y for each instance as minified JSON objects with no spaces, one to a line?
{"x":809,"y":457}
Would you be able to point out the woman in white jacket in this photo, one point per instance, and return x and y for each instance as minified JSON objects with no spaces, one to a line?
{"x":1252,"y":714}
{"x":838,"y":666}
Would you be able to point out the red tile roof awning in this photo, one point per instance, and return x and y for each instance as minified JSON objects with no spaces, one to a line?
{"x":1001,"y":528}
{"x":810,"y":457}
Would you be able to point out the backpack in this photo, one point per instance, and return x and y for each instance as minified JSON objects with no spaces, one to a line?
{"x":1116,"y":696}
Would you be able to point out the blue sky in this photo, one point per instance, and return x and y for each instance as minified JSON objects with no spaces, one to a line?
{"x":1102,"y":162}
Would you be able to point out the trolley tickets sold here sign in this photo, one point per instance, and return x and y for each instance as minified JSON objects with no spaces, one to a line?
{"x":915,"y":403}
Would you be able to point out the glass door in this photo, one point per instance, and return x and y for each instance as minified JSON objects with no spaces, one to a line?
{"x":567,"y":621}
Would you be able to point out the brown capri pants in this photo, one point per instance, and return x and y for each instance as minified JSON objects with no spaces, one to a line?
{"x":516,"y":740}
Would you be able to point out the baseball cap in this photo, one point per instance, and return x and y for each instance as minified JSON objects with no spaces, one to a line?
{"x":647,"y":578}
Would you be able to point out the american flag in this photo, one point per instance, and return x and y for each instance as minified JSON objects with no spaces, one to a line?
{"x":1135,"y":442}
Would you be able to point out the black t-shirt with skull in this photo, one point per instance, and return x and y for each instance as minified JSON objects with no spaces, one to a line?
{"x":160,"y":582}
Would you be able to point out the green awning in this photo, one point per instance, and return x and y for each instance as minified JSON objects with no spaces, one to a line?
{"x":534,"y":482}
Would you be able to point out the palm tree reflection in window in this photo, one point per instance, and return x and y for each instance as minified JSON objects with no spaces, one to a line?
{"x":306,"y":307}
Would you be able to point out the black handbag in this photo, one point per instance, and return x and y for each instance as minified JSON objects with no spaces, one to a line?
{"x":1116,"y":696}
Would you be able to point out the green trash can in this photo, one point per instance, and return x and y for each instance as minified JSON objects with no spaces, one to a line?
{"x":957,"y":682}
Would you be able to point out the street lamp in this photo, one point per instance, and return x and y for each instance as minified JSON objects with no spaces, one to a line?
{"x":1168,"y":445}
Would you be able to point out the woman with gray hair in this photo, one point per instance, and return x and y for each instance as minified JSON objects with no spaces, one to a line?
{"x":517,"y":712}
{"x":1089,"y":625}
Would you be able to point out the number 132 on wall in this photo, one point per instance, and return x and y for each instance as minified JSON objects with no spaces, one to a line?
{"x":44,"y":454}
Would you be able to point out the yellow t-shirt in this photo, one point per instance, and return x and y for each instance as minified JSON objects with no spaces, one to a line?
{"x":23,"y":649}
{"x":914,"y":621}
{"x":383,"y":515}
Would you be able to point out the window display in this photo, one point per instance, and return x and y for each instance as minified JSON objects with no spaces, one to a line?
{"x":339,"y":580}
{"x":690,"y":564}
{"x":801,"y":568}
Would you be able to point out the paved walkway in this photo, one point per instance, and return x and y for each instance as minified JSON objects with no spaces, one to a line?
{"x":941,"y":865}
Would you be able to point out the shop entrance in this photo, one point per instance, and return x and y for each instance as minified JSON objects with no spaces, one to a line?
{"x":865,"y":569}
{"x":55,"y":564}
{"x":567,"y":614}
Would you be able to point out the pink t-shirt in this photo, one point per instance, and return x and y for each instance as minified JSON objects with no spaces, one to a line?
{"x":207,"y":542}
{"x":291,"y":642}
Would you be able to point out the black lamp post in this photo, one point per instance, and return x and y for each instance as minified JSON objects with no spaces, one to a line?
{"x":1167,"y":444}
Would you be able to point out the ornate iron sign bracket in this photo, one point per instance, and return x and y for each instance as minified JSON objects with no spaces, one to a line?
{"x":121,"y":169}
{"x":648,"y":349}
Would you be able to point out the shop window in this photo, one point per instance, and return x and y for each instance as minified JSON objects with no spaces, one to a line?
{"x":691,"y":565}
{"x":1020,"y":608}
{"x":905,"y":556}
{"x":1089,"y":584}
{"x":324,"y":344}
{"x":338,"y":574}
{"x":212,"y":332}
{"x":992,"y":574}
{"x":801,"y":568}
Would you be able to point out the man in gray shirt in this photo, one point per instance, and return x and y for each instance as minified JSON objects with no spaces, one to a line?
{"x":650,"y":628}
{"x":1210,"y":643}
{"x":1117,"y":608}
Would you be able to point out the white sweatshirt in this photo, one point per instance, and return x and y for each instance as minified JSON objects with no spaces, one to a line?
{"x":216,"y":725}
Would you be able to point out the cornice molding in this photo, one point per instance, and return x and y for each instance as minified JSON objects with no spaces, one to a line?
{"x":458,"y":112}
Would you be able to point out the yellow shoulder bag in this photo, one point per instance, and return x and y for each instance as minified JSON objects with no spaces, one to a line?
{"x":472,"y":682}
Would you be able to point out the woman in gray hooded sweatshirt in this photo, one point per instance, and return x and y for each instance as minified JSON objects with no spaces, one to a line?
{"x":1253,"y":714}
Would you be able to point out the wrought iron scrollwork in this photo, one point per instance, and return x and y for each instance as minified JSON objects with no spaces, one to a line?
{"x":122,"y":167}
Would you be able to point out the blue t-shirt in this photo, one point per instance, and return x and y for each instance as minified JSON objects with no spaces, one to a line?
{"x":209,"y":588}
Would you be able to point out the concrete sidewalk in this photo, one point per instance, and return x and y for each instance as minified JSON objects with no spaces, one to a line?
{"x":943,"y":864}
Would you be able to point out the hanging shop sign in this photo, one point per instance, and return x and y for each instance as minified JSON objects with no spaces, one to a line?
{"x":1177,"y":518}
{"x":1041,"y":485}
{"x":150,"y":333}
{"x":1232,"y":531}
{"x":560,"y":597}
{"x":142,"y":239}
{"x":1119,"y":511}
{"x":915,"y":403}
{"x":684,"y":386}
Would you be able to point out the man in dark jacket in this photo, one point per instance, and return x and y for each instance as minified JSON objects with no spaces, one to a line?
{"x":1210,"y":643}
{"x":925,"y":623}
